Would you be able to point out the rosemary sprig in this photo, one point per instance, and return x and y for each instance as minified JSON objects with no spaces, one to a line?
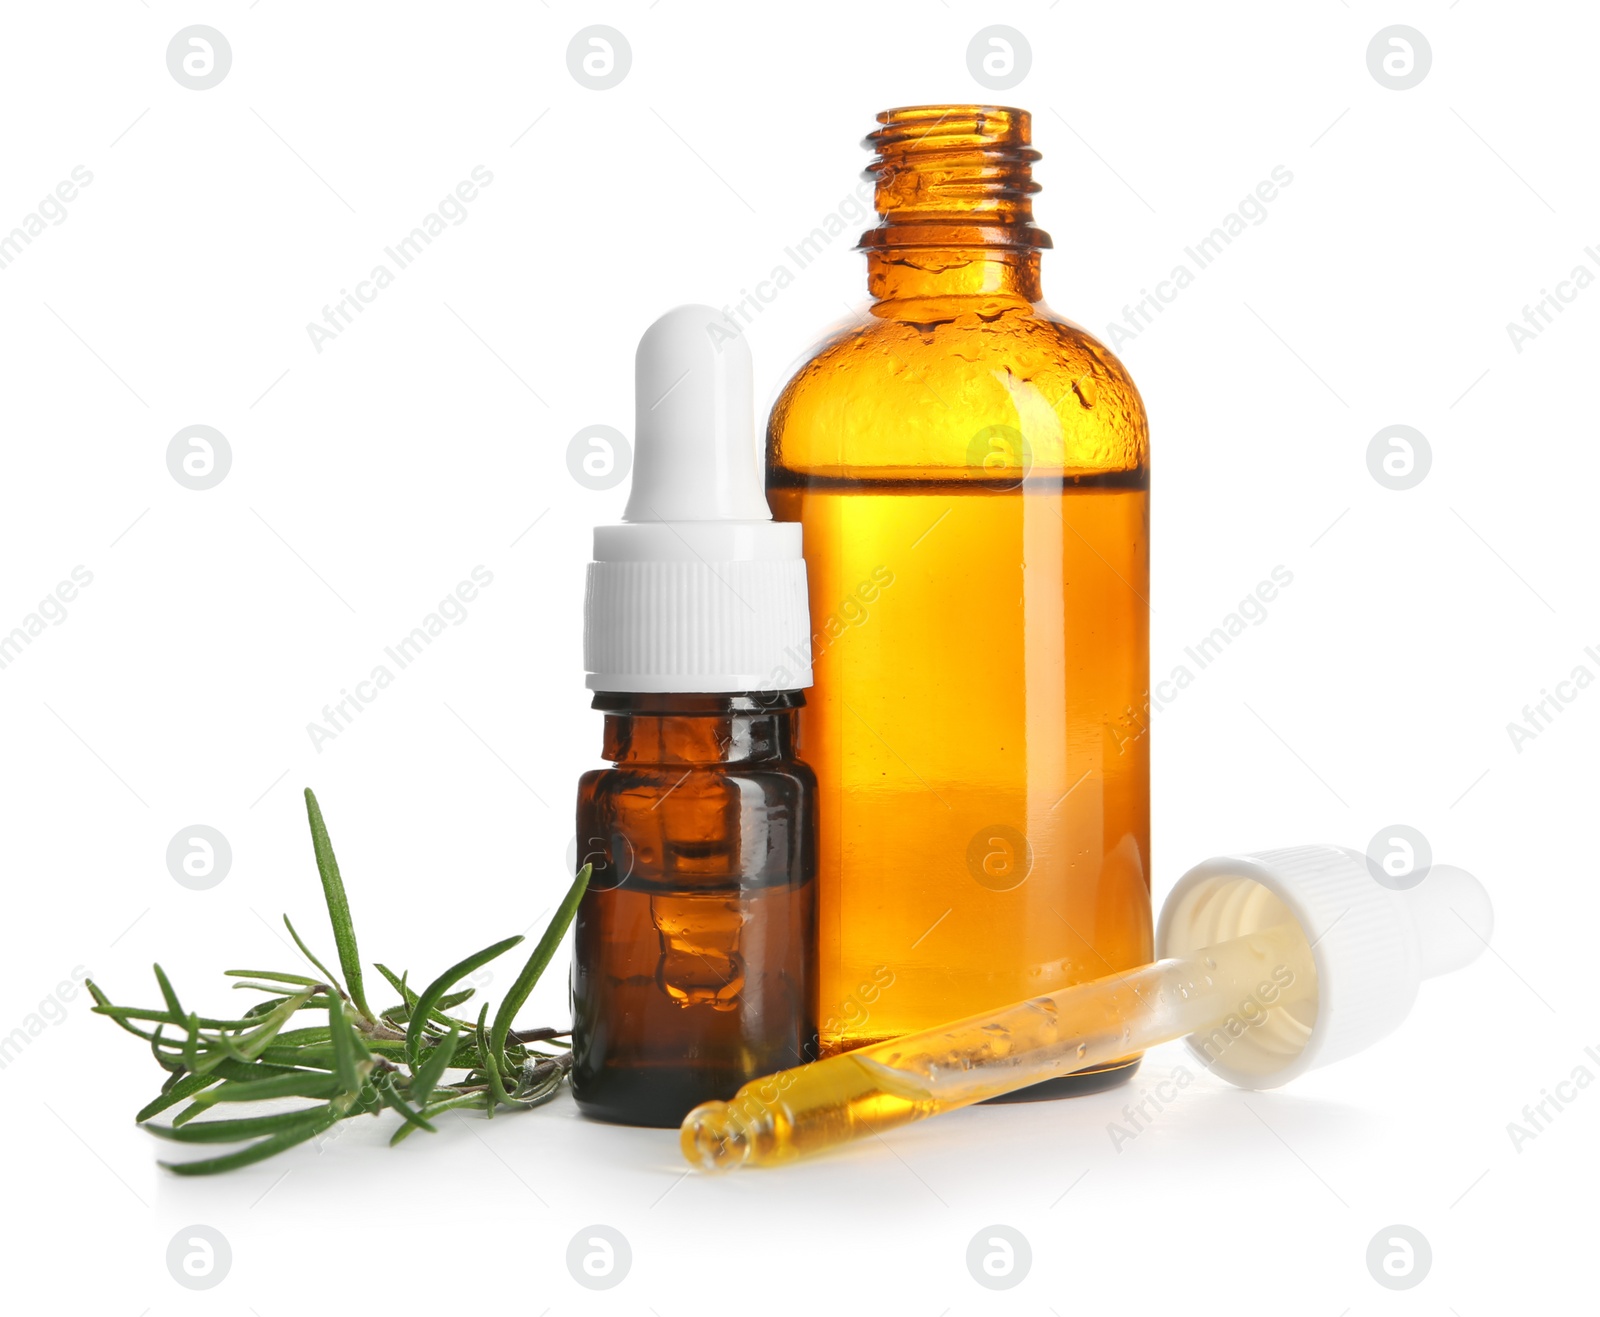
{"x":360,"y":1061}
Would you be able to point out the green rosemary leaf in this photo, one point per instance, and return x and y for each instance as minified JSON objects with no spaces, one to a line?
{"x":187,"y":1086}
{"x":238,"y":1131}
{"x":344,"y":1052}
{"x":259,"y":1070}
{"x":191,"y":1042}
{"x":430,"y":995}
{"x":272,"y":975}
{"x":321,"y":1057}
{"x":258,"y":1151}
{"x":222,"y":1048}
{"x":245,"y":1046}
{"x":167,"y":994}
{"x":397,"y":982}
{"x":490,"y":1065}
{"x":262,"y":1008}
{"x":344,"y":933}
{"x":299,"y":1037}
{"x":331,"y":979}
{"x":401,"y":1013}
{"x":116,"y":1014}
{"x":553,"y":933}
{"x":184,"y":1086}
{"x":425,"y":1078}
{"x":122,"y":1014}
{"x":358,"y":1040}
{"x":254,"y":1014}
{"x":392,"y":1098}
{"x":436,"y":1108}
{"x":272,"y":1025}
{"x":300,"y":1083}
{"x":165,"y":1062}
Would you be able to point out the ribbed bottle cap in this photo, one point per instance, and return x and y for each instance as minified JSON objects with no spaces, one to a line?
{"x":1371,"y":945}
{"x":698,"y":590}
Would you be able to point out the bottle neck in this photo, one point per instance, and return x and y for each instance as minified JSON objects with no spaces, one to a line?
{"x":903,"y":273}
{"x":699,"y":730}
{"x":953,"y":187}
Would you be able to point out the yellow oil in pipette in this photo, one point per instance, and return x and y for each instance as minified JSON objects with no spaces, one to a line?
{"x":1269,"y":975}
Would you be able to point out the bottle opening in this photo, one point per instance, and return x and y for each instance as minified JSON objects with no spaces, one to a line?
{"x":953,"y":176}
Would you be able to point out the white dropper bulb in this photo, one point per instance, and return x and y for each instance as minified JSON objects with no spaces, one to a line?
{"x":1453,"y":918}
{"x":698,"y":590}
{"x":694,"y":423}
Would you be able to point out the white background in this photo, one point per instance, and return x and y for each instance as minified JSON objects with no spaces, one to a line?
{"x":369,"y":478}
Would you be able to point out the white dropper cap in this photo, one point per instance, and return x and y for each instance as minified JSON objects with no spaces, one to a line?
{"x":1371,"y":945}
{"x":698,"y":590}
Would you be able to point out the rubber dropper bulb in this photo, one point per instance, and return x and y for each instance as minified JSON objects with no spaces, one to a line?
{"x":1453,"y":918}
{"x":694,"y":423}
{"x":698,"y":590}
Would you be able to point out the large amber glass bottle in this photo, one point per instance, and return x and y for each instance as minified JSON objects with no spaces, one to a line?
{"x":972,"y":474}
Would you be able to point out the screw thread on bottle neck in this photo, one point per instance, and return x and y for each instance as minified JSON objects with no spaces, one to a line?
{"x":954,"y":176}
{"x":954,"y":188}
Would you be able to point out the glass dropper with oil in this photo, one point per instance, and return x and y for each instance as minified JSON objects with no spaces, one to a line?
{"x":1254,"y":944}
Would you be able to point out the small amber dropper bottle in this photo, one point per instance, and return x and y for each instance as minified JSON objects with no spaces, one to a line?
{"x":694,"y":954}
{"x":981,"y":729}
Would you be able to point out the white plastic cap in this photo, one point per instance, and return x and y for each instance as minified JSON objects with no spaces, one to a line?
{"x":698,"y":590}
{"x":1371,"y":946}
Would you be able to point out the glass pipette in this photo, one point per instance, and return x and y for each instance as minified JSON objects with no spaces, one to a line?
{"x":1278,"y":925}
